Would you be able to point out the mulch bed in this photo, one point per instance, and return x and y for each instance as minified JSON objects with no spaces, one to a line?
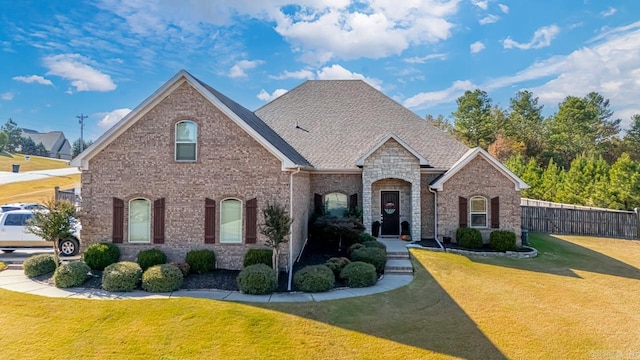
{"x":484,"y":248}
{"x":428,"y":243}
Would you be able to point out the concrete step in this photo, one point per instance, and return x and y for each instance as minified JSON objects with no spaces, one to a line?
{"x":398,"y":266}
{"x":14,"y":266}
{"x":397,"y":256}
{"x":398,"y":272}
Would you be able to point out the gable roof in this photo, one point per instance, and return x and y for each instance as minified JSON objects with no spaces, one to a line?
{"x":423,"y":161}
{"x":53,"y":141}
{"x":438,"y":183}
{"x":244,"y":118}
{"x":333,"y":123}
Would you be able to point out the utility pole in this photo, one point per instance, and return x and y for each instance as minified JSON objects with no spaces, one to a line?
{"x":82,"y":117}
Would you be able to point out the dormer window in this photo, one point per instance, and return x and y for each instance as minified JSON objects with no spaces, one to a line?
{"x":186,"y":141}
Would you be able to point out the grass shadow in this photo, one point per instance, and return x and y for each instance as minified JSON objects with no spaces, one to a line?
{"x":6,"y":154}
{"x":421,"y":314}
{"x":561,"y":257}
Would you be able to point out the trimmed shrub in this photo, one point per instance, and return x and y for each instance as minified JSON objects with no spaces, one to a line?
{"x":258,"y":279}
{"x":201,"y":261}
{"x":469,"y":238}
{"x":99,"y":256}
{"x":502,"y":240}
{"x":372,"y":255}
{"x":336,"y":264}
{"x":39,"y":265}
{"x":162,"y":278}
{"x":121,"y":276}
{"x":353,"y":248}
{"x":364,"y":237}
{"x":258,"y":256}
{"x":183,"y":266}
{"x":359,"y":274}
{"x":376,"y":244}
{"x":151,"y":257}
{"x":71,"y":274}
{"x":332,"y":232}
{"x":314,"y":278}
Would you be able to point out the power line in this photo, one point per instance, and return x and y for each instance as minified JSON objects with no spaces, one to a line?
{"x":82,"y":117}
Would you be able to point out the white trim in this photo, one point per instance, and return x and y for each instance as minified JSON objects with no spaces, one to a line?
{"x":485,"y":212}
{"x":175,"y":141}
{"x":423,"y":161}
{"x":129,"y":221}
{"x":466,"y":159}
{"x":136,"y":114}
{"x":241,"y":221}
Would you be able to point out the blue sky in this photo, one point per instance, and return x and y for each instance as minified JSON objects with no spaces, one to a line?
{"x":101,"y":58}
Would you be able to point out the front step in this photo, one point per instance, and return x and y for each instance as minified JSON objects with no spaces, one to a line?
{"x":398,"y":255}
{"x":396,"y":266}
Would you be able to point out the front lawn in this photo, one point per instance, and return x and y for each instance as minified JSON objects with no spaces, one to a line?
{"x":577,"y":299}
{"x":36,"y":190}
{"x":34,"y":162}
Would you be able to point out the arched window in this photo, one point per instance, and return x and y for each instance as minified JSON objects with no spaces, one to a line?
{"x":231,"y":221}
{"x":186,"y":140}
{"x":478,"y":212}
{"x":335,"y":204}
{"x":139,"y":220}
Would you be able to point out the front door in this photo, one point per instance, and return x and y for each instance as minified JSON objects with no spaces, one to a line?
{"x":390,"y":205}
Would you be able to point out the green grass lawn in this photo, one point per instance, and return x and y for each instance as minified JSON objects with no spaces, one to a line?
{"x":578,"y":299}
{"x":34,"y":162}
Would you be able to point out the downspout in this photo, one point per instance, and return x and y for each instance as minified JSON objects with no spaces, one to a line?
{"x":291,"y":228}
{"x":435,"y":216}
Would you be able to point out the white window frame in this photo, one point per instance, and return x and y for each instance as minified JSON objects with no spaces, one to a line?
{"x":485,"y":212}
{"x":326,"y":202}
{"x":148,"y":241}
{"x":176,"y":142}
{"x":222,"y":240}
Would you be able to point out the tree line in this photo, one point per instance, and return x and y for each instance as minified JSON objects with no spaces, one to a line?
{"x":579,"y":155}
{"x":12,"y":141}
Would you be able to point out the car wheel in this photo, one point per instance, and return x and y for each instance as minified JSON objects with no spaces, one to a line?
{"x":69,"y":247}
{"x":8,"y":251}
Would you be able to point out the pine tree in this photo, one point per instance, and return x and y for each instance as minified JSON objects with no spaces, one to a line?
{"x":532,"y":176}
{"x":624,"y":184}
{"x":550,"y":182}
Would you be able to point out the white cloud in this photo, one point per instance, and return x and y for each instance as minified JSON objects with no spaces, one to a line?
{"x":8,"y":96}
{"x":238,"y":70}
{"x":504,"y":8}
{"x":541,"y":38}
{"x":489,"y":19}
{"x":609,"y":12}
{"x":33,"y":79}
{"x":476,"y":47}
{"x":482,"y":4}
{"x":110,"y":118}
{"x":432,"y":98}
{"x":337,"y":72}
{"x":265,"y":96}
{"x":301,"y":75}
{"x":83,"y":77}
{"x":424,"y":59}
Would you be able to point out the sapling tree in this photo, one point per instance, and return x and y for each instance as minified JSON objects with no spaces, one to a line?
{"x":276,"y":228}
{"x":54,"y":224}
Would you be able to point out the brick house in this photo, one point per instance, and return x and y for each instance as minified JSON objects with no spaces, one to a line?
{"x":190,"y":168}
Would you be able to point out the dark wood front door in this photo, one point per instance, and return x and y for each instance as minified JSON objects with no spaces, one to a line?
{"x":390,"y":205}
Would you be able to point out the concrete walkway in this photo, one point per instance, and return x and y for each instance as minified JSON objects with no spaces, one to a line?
{"x":10,"y":177}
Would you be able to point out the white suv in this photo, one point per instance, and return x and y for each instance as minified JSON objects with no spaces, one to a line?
{"x":22,"y":206}
{"x":14,"y":235}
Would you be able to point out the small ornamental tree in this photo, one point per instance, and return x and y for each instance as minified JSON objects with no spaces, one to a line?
{"x":54,"y":224}
{"x":276,"y":228}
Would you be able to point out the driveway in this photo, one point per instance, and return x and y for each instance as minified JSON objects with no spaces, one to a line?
{"x":7,"y":177}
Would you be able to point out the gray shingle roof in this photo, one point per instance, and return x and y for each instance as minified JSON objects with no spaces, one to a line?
{"x":53,"y":141}
{"x":343,"y":119}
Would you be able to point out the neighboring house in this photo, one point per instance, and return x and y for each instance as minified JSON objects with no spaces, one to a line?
{"x":190,"y":168}
{"x":54,"y":141}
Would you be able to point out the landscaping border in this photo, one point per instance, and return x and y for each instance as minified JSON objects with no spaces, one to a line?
{"x":512,"y":254}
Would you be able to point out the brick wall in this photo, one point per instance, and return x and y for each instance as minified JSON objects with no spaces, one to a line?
{"x":426,"y":204}
{"x":301,"y":211}
{"x":323,"y":184}
{"x":140,"y":163}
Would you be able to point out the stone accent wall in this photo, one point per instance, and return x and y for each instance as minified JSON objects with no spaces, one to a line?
{"x":480,"y":178}
{"x":426,"y":204}
{"x":301,"y":211}
{"x":392,"y":161}
{"x":327,"y":183}
{"x":403,"y":187}
{"x":140,"y":163}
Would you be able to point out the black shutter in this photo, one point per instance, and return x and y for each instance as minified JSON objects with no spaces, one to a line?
{"x":317,"y":204}
{"x":462,"y":212}
{"x":118,"y":221}
{"x":209,"y":221}
{"x":353,"y":202}
{"x":495,"y":212}
{"x":158,"y":221}
{"x":251,"y":220}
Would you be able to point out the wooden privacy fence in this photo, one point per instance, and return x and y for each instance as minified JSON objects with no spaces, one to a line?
{"x":69,"y":195}
{"x":583,"y":221}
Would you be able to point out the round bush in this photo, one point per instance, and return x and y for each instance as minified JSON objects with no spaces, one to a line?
{"x":376,"y":244}
{"x":99,"y":256}
{"x":121,"y":276}
{"x":162,"y":278}
{"x":71,"y":274}
{"x":336,"y":264}
{"x":151,"y":257}
{"x":39,"y":265}
{"x":372,"y":255}
{"x":258,"y":256}
{"x":502,"y":240}
{"x":469,"y":238}
{"x":258,"y":279}
{"x":359,"y":274}
{"x":183,"y":266}
{"x":364,"y":237}
{"x":201,"y":261}
{"x":314,"y":278}
{"x":353,"y":248}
